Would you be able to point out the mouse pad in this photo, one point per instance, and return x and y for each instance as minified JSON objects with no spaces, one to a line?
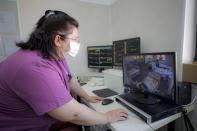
{"x":105,"y":92}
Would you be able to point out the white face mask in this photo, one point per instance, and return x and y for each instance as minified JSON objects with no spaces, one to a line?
{"x":74,"y":48}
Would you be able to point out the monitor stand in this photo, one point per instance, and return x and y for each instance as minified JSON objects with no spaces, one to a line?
{"x":101,"y":69}
{"x":146,"y":99}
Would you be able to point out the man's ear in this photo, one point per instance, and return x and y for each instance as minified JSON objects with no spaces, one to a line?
{"x":57,"y":41}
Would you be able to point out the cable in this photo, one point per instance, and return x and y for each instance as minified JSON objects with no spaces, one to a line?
{"x":187,"y":122}
{"x":192,"y":102}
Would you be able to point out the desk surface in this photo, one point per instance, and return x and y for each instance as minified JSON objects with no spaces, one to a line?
{"x":133,"y":122}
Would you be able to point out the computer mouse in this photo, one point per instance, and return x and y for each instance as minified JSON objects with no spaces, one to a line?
{"x":107,"y":101}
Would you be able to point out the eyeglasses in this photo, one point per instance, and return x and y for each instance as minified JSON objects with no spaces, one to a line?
{"x":63,"y":37}
{"x":74,"y":39}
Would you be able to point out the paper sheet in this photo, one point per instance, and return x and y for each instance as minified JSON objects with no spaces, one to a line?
{"x":10,"y":44}
{"x":7,"y":22}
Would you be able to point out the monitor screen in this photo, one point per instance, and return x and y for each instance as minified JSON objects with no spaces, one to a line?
{"x":154,"y":73}
{"x":123,"y":47}
{"x":100,"y":56}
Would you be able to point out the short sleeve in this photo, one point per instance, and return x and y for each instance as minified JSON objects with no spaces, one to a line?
{"x":42,"y":87}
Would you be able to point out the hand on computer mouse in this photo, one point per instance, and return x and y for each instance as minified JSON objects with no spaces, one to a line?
{"x":94,"y":99}
{"x":116,"y":115}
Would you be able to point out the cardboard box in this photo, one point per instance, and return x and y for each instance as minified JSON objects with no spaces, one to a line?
{"x":190,"y":73}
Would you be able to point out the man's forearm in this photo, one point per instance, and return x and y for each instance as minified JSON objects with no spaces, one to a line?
{"x":79,"y":114}
{"x":90,"y":117}
{"x":77,"y":89}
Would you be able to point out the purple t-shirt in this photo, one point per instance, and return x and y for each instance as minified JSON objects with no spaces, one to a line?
{"x":31,"y":86}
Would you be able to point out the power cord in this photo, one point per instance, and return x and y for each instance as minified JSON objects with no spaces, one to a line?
{"x":187,"y":121}
{"x":191,"y":103}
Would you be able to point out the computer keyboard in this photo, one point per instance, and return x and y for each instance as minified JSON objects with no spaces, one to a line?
{"x":105,"y":92}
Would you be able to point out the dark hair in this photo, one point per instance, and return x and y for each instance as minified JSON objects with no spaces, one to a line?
{"x":48,"y":26}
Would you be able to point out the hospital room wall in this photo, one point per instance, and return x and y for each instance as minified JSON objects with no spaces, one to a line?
{"x":159,"y":23}
{"x":94,"y":25}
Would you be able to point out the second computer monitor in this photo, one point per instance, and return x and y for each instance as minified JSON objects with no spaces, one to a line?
{"x":100,"y":57}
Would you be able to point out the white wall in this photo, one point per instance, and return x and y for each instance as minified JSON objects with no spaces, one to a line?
{"x":159,"y":23}
{"x":94,"y":23}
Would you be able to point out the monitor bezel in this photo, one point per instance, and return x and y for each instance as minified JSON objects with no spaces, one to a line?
{"x":154,"y":94}
{"x":98,"y":67}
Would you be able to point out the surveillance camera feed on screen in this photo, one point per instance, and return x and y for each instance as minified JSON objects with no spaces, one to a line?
{"x":152,"y":73}
{"x":100,"y":57}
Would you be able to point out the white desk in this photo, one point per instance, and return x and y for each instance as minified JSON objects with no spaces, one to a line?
{"x":133,"y":122}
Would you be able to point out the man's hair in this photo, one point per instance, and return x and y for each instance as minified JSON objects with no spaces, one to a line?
{"x":48,"y":26}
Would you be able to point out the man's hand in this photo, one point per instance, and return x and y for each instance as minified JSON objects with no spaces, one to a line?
{"x":116,"y":115}
{"x":94,"y":99}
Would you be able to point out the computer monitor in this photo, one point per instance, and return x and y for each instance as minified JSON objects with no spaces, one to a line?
{"x":100,"y":57}
{"x":152,"y":74}
{"x":124,"y":47}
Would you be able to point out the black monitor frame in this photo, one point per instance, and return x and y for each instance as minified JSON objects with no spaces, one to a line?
{"x":150,"y":93}
{"x":100,"y":67}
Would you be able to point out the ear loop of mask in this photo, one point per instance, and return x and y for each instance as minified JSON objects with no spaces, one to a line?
{"x":62,"y":37}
